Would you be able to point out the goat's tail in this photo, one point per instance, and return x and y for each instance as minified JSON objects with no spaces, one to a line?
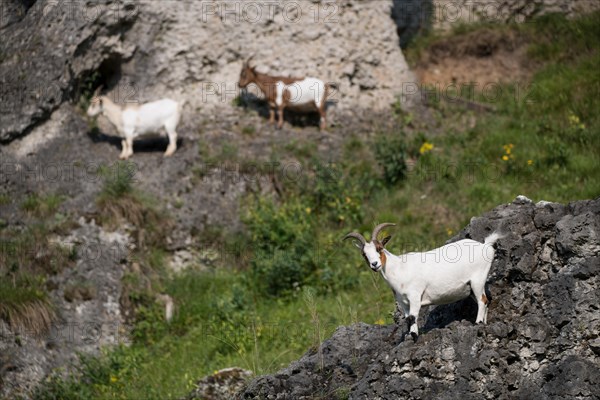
{"x":493,"y":238}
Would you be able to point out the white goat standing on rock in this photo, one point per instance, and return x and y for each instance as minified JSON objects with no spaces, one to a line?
{"x":445,"y":275}
{"x":136,"y":120}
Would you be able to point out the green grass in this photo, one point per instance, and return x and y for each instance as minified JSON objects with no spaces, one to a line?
{"x":41,"y":205}
{"x":24,"y":304}
{"x":4,"y":199}
{"x":118,"y":180}
{"x":543,"y":145}
{"x":212,"y":329}
{"x":27,"y":257}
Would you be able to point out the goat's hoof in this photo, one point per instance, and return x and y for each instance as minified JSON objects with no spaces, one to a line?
{"x":415,"y":336}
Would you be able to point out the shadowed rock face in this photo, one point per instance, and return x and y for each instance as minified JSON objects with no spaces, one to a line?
{"x":541,"y":340}
{"x":47,"y":51}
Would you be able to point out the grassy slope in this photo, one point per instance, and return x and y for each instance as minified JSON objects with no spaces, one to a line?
{"x":554,"y":132}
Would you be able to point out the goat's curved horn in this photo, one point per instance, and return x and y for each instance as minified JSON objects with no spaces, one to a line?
{"x":249,"y":59}
{"x":378,"y":229}
{"x":356,"y":235}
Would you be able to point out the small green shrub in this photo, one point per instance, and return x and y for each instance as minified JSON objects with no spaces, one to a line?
{"x":150,"y":325}
{"x":117,"y":179}
{"x":41,"y":206}
{"x":557,"y":155}
{"x":281,"y":237}
{"x":102,"y":377}
{"x":337,"y":193}
{"x":87,"y":88}
{"x":390,"y":152}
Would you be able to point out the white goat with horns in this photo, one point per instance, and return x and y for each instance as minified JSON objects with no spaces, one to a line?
{"x":441,"y":276}
{"x":132,"y":121}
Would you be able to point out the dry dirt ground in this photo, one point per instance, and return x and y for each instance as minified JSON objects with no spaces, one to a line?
{"x":484,"y":57}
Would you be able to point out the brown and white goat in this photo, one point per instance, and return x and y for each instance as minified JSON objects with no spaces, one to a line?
{"x":302,"y":94}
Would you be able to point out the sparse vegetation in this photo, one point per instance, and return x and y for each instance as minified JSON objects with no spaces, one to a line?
{"x":249,"y":130}
{"x":390,"y":153}
{"x":79,"y":292}
{"x":120,"y":202}
{"x":41,"y":206}
{"x":27,"y":258}
{"x":25,"y":305}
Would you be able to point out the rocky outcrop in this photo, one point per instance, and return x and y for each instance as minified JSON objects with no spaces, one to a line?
{"x":52,"y":52}
{"x":86,"y":298}
{"x":221,"y":385}
{"x":541,"y":341}
{"x":48,"y":49}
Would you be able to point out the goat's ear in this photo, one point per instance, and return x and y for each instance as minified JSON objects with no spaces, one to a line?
{"x":385,"y":240}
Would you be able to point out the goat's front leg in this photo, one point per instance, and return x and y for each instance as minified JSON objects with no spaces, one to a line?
{"x":128,"y":146}
{"x":172,"y":143}
{"x":271,"y":113}
{"x":123,"y":154}
{"x":279,"y":117}
{"x":322,"y":119}
{"x":413,"y":317}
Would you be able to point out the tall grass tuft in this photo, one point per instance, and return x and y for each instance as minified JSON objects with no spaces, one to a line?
{"x":25,"y":305}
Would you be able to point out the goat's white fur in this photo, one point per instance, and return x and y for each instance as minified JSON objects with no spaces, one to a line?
{"x":305,"y":95}
{"x":308,"y":92}
{"x":140,"y":120}
{"x":441,"y":276}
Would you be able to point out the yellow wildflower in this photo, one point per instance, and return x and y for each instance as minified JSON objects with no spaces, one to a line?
{"x":505,"y":158}
{"x":574,"y":119}
{"x":529,"y":162}
{"x":449,"y":231}
{"x":308,"y":210}
{"x":426,"y":148}
{"x":113,"y":379}
{"x":380,"y":321}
